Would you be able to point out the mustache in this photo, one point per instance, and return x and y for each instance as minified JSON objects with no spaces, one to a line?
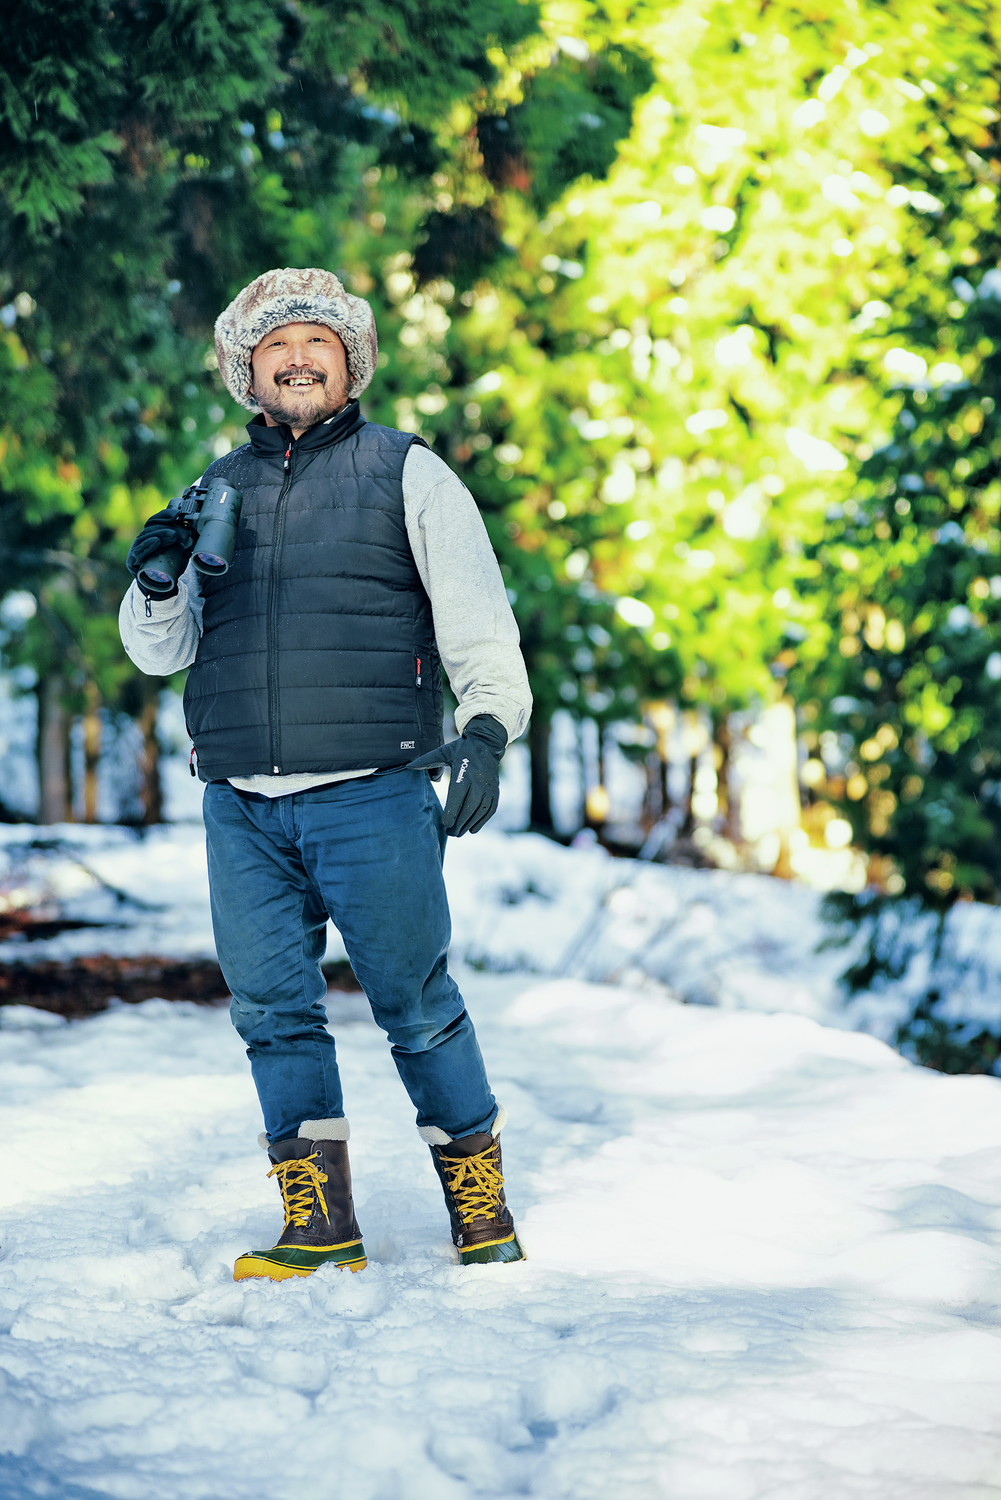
{"x":316,"y":375}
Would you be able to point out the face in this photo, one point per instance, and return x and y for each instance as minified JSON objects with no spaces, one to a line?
{"x":299,"y":375}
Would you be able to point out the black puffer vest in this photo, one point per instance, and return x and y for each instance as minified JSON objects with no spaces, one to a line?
{"x":318,"y":650}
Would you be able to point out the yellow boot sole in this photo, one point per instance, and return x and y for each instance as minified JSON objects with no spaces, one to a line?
{"x":293,"y":1260}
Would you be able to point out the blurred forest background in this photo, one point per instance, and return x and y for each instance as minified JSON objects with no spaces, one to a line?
{"x":702,"y":301}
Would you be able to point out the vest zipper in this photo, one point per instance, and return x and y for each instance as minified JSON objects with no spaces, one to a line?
{"x":276,"y":554}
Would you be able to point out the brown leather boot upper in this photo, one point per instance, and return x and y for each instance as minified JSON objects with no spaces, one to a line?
{"x":315,"y":1180}
{"x":472,"y":1176}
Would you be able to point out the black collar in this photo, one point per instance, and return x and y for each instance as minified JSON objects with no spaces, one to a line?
{"x":273,"y":442}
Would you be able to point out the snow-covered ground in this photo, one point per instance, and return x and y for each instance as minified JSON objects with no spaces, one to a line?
{"x":764,"y":1261}
{"x":764,"y":1252}
{"x":521,"y":902}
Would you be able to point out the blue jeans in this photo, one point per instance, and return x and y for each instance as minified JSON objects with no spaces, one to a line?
{"x":368,"y":852}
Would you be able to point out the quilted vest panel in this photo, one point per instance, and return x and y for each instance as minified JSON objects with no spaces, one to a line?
{"x":318,"y":650}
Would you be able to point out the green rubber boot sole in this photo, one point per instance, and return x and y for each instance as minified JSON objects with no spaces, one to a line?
{"x":292,"y":1260}
{"x":500,"y":1250}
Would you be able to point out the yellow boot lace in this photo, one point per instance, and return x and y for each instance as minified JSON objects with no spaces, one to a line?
{"x":475,"y":1184}
{"x":299,"y":1180}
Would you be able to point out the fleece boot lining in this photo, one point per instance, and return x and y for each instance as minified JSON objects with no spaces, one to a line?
{"x":325,"y":1130}
{"x":315,"y":1130}
{"x":433,"y":1135}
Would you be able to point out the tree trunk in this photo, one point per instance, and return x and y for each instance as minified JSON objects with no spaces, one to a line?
{"x":54,"y":804}
{"x":664,"y":767}
{"x":779,"y":724}
{"x":582,"y":768}
{"x":650,"y":811}
{"x":596,"y":801}
{"x":151,"y":792}
{"x":663,"y":717}
{"x":721,"y":755}
{"x":688,"y":826}
{"x":540,"y":806}
{"x":91,"y":753}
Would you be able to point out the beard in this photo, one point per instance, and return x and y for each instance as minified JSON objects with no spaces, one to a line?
{"x":301,"y":406}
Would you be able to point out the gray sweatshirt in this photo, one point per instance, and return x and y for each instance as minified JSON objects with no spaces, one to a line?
{"x":474,"y":626}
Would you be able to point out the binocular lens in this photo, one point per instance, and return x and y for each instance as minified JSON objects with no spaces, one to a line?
{"x":155,"y":576}
{"x":211,"y":562}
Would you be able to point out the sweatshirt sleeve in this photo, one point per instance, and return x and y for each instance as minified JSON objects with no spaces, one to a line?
{"x":474,"y":626}
{"x":165,"y":640}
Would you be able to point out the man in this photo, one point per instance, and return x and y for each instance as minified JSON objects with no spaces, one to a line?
{"x":314,"y":705}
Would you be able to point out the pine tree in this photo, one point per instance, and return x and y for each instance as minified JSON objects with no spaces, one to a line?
{"x":675,"y":371}
{"x":153,"y":160}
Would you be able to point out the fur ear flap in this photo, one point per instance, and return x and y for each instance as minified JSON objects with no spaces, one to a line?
{"x":293,"y":296}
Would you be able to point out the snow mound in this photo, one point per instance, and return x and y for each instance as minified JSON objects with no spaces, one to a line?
{"x":522,"y":903}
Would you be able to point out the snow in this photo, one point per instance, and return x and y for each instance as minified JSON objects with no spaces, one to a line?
{"x":522,"y":902}
{"x":764,"y":1252}
{"x":763,"y":1261}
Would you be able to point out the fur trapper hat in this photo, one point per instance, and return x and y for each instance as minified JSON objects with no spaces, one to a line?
{"x":293,"y":296}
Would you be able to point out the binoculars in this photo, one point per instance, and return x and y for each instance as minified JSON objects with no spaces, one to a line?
{"x":213,"y":514}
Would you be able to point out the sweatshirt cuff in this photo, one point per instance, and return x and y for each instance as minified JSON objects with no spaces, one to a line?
{"x":473,"y":709}
{"x":159,"y":609}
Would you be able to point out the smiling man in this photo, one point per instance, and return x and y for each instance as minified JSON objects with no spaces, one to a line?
{"x":300,"y":375}
{"x":314,"y":703}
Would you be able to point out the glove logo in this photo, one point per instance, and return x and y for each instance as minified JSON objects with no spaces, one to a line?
{"x":408,"y":744}
{"x":462,"y":771}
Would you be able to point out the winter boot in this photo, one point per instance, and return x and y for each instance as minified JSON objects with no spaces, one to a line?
{"x":320,"y":1224}
{"x":472,"y":1176}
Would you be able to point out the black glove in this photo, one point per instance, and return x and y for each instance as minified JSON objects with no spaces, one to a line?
{"x":160,"y":533}
{"x":474,"y":762}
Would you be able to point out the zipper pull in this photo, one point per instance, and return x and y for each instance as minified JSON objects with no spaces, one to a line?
{"x":288,"y":458}
{"x":191,"y":762}
{"x":418,"y":671}
{"x":149,"y":609}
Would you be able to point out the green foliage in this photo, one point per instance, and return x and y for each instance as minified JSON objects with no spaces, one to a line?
{"x":661,"y":391}
{"x":421,"y":54}
{"x":76,"y":94}
{"x":52,"y":92}
{"x":894,"y":933}
{"x":569,"y":124}
{"x":908,"y":693}
{"x":948,"y":1046}
{"x":646,"y":277}
{"x":152,"y":161}
{"x":458,"y":247}
{"x":642,"y":362}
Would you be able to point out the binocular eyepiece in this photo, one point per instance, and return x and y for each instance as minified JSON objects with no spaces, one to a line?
{"x":213,"y":514}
